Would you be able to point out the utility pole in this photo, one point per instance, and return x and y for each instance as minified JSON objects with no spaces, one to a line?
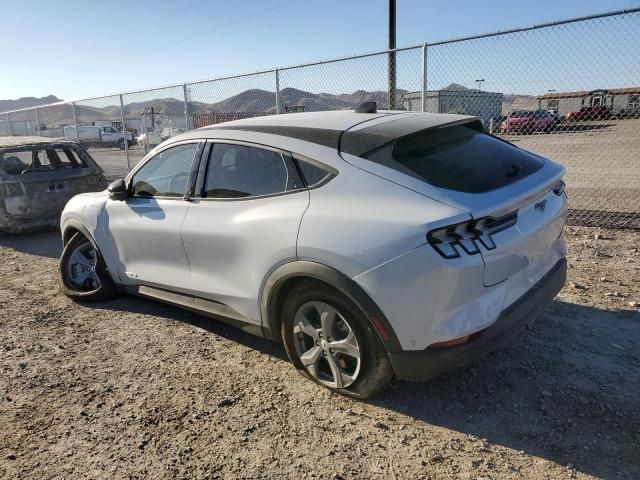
{"x":392,"y":55}
{"x":479,"y":82}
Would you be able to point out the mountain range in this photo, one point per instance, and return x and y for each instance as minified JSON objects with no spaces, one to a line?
{"x":248,"y":101}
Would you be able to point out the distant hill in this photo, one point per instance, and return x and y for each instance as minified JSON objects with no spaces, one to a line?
{"x":247,"y":102}
{"x":26,"y":102}
{"x":256,"y":100}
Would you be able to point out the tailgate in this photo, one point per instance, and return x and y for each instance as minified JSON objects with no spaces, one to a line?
{"x":538,"y":225}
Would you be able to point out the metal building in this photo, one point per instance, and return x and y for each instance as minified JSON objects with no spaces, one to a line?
{"x":457,"y":99}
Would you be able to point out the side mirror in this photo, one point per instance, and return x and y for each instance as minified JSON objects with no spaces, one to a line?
{"x":117,"y":190}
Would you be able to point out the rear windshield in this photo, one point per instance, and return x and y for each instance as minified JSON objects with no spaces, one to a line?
{"x":457,"y":158}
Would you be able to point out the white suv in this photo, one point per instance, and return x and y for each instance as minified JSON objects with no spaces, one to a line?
{"x":371,"y":243}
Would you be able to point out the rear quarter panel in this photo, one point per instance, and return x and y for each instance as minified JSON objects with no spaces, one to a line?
{"x":358,"y":221}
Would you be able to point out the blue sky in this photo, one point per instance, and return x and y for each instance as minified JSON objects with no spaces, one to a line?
{"x":77,"y":49}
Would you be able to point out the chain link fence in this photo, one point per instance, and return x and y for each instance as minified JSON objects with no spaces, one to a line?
{"x":568,"y":90}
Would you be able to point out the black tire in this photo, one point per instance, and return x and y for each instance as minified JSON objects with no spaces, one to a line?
{"x":106,"y":288}
{"x":375,"y":370}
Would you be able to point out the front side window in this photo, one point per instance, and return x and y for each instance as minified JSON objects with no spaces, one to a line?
{"x":165,"y":175}
{"x":634,"y":101}
{"x":239,"y":171}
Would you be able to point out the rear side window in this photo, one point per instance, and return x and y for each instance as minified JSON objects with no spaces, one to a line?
{"x":239,"y":171}
{"x":457,"y":158}
{"x":313,"y":174}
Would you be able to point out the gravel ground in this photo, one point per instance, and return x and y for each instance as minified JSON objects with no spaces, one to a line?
{"x":135,"y":389}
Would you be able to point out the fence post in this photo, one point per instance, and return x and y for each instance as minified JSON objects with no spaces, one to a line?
{"x":423,"y":98}
{"x":38,"y":122}
{"x":277,"y":91}
{"x":124,"y":134}
{"x":75,"y":120}
{"x":7,"y":121}
{"x":186,"y":108}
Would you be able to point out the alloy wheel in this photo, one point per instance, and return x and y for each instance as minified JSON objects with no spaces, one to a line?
{"x":81,"y":270}
{"x":326,"y":344}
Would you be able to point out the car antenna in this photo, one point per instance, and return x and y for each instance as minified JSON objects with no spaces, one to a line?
{"x":366,"y":107}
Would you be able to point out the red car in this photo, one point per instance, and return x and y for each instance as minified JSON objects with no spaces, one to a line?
{"x":527,"y":121}
{"x":589,"y":113}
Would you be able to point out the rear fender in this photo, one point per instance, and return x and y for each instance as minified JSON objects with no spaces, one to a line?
{"x":273,"y":294}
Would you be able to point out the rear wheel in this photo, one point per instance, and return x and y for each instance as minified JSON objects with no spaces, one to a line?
{"x":82,"y":274}
{"x":329,"y":340}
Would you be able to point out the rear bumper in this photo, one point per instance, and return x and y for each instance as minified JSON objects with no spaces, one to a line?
{"x":422,"y":365}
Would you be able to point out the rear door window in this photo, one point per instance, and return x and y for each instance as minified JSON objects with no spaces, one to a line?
{"x":457,"y":158}
{"x":240,"y":171}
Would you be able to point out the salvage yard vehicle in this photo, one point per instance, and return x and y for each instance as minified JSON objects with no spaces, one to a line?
{"x":370,"y":243}
{"x":598,"y":112}
{"x":38,"y":176}
{"x":529,"y":121}
{"x":98,"y":135}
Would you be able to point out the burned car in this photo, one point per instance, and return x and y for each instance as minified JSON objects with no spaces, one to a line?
{"x":38,"y":176}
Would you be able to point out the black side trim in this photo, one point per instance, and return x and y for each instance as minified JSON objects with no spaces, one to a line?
{"x":305,"y":269}
{"x":422,"y":365}
{"x":321,"y":136}
{"x":202,"y":306}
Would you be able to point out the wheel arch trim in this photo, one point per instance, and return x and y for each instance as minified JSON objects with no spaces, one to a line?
{"x":76,"y":225}
{"x":272,"y":289}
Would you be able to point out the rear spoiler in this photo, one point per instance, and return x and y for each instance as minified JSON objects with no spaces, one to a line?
{"x":366,"y":140}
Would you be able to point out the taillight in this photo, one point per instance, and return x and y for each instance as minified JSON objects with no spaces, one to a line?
{"x":468,"y":236}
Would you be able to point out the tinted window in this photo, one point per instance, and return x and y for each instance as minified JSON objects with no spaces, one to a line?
{"x":313,"y":174}
{"x":237,"y":171}
{"x":166,"y":174}
{"x":457,"y":158}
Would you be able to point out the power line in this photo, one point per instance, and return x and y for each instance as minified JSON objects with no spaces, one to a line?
{"x":228,"y":24}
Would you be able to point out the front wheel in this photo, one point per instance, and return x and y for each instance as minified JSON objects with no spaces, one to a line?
{"x":82,"y":274}
{"x":329,"y":340}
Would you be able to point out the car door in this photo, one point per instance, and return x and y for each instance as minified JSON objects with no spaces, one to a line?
{"x":243,"y":222}
{"x":109,"y":135}
{"x":144,"y":230}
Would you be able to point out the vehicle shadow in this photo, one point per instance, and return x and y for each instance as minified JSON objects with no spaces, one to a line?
{"x":578,"y":127}
{"x":563,"y":391}
{"x":216,"y":326}
{"x":46,"y":243}
{"x":561,"y":128}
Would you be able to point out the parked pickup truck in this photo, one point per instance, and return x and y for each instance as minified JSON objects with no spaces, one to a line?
{"x":98,"y":135}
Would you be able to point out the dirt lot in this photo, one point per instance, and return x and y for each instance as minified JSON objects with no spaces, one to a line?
{"x":135,"y":389}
